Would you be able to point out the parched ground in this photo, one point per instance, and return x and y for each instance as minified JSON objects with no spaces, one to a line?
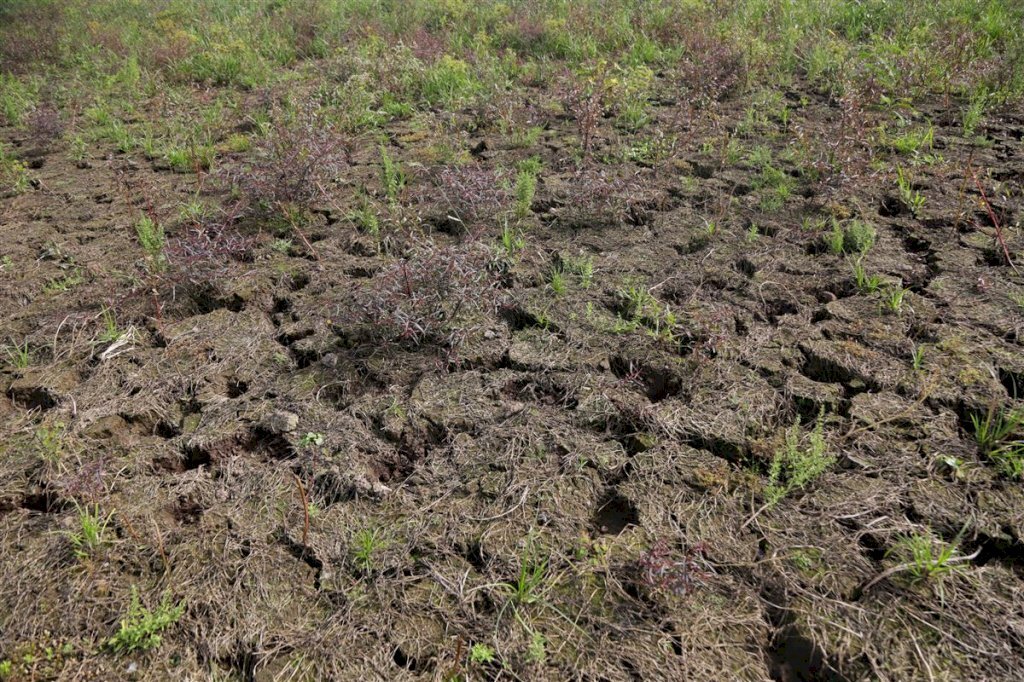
{"x":579,"y":491}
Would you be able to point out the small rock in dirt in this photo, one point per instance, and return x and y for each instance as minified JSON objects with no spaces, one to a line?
{"x":364,"y":486}
{"x":280,"y":421}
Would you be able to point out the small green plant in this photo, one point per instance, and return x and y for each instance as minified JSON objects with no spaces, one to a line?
{"x":775,"y":187}
{"x":925,"y":557}
{"x":512,"y":240}
{"x":311,"y":440}
{"x":913,"y":141}
{"x":367,"y":542}
{"x":640,"y":308}
{"x":974,"y":114}
{"x":859,"y":237}
{"x":110,"y":332}
{"x":536,"y":652}
{"x":893,"y":298}
{"x":68,"y":282}
{"x":909,"y":196}
{"x":20,"y":356}
{"x":14,"y":176}
{"x":481,"y":654}
{"x":366,"y":221}
{"x":179,"y":159}
{"x":866,"y":284}
{"x":527,"y":588}
{"x":1000,"y":438}
{"x":952,"y":464}
{"x":392,"y":177}
{"x":447,"y":81}
{"x":856,"y":238}
{"x":151,"y":238}
{"x":801,"y":460}
{"x":917,"y":358}
{"x":77,"y":149}
{"x":525,"y":189}
{"x":282,"y":246}
{"x":835,"y":238}
{"x":582,"y":267}
{"x":557,"y":281}
{"x":88,"y":536}
{"x":50,"y":442}
{"x":192,"y":211}
{"x":141,"y":628}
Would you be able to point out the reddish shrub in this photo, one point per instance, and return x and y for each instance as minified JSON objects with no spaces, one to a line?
{"x":662,"y":569}
{"x":437,"y":295}
{"x":473,"y":194}
{"x":293,"y":166}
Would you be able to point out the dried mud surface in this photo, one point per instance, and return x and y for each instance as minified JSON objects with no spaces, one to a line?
{"x":549,"y":436}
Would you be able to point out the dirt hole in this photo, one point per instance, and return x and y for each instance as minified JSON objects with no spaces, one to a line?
{"x":615,"y":513}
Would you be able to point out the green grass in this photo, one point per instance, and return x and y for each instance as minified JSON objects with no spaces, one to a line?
{"x":528,"y":587}
{"x":893,"y":298}
{"x":365,"y":545}
{"x":926,"y":558}
{"x":19,"y":356}
{"x":999,"y":434}
{"x":90,"y":533}
{"x":865,"y":283}
{"x":557,"y":281}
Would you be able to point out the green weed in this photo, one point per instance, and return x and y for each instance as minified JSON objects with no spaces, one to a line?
{"x":894,"y":297}
{"x":909,"y":196}
{"x":925,"y":557}
{"x":512,"y":240}
{"x":141,"y":628}
{"x":19,"y":356}
{"x":913,"y":142}
{"x":1000,"y":438}
{"x":974,"y":114}
{"x":858,"y":237}
{"x":481,"y":654}
{"x":88,"y":537}
{"x":68,"y":282}
{"x":917,"y":358}
{"x":14,"y":175}
{"x":801,"y":460}
{"x":525,"y":189}
{"x":50,"y":442}
{"x":392,"y":177}
{"x":367,"y":542}
{"x":366,"y":221}
{"x":528,"y":585}
{"x":111,"y":332}
{"x":866,"y":284}
{"x":151,"y":238}
{"x":557,"y":281}
{"x":582,"y":267}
